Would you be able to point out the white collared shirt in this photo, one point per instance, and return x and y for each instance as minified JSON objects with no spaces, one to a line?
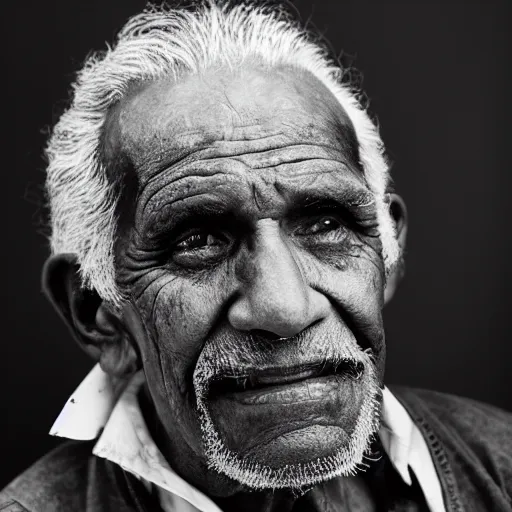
{"x":99,"y":403}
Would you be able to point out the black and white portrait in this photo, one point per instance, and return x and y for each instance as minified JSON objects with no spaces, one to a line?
{"x":258,"y":257}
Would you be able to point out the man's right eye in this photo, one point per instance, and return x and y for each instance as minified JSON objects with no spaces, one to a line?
{"x":197,"y":241}
{"x":201,"y":248}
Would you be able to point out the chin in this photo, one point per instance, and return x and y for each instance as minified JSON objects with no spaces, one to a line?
{"x":289,"y":432}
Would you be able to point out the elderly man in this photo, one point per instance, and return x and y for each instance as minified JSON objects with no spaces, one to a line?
{"x":224,"y":238}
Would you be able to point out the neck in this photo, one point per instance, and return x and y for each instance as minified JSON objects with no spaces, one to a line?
{"x":344,"y":493}
{"x":281,"y":500}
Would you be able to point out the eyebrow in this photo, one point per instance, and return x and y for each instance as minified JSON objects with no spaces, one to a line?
{"x":205,"y":212}
{"x":349,"y":197}
{"x":357,"y":202}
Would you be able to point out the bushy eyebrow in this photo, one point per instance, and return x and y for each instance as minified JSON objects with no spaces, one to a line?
{"x":204,"y":210}
{"x":350,"y":197}
{"x":353,"y":200}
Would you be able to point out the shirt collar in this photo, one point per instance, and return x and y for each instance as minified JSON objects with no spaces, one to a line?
{"x":101,"y":405}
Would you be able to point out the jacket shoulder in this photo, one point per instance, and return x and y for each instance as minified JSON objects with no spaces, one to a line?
{"x":476,"y":421}
{"x":474,"y":437}
{"x":56,"y":482}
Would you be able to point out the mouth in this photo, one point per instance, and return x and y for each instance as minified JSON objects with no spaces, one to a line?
{"x":273,"y":407}
{"x":269,"y":378}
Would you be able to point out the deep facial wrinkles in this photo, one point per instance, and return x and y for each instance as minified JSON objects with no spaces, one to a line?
{"x":268,"y":159}
{"x":273,"y":173}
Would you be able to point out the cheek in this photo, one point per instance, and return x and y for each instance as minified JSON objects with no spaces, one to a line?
{"x":357,"y":294}
{"x":356,"y":281}
{"x":179,"y":314}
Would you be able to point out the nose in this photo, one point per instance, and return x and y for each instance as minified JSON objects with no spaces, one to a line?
{"x":274,"y":295}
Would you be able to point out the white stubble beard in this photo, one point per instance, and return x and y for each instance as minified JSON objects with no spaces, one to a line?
{"x":346,"y":461}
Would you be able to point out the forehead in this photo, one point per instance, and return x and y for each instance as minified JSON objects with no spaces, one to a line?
{"x":249,"y":105}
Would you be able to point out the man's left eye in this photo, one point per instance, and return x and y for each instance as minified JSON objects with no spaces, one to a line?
{"x":325,"y":226}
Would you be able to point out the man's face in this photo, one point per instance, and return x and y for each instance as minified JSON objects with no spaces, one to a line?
{"x":254,"y":264}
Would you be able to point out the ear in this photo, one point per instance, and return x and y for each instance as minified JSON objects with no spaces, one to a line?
{"x":398,"y":212}
{"x":96,"y":325}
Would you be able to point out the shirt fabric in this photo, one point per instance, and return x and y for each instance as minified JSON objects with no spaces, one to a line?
{"x":470,"y":443}
{"x":102,"y":405}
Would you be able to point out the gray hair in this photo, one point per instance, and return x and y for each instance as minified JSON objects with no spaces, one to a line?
{"x":172,"y":42}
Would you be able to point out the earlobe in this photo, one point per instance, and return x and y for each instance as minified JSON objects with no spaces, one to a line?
{"x":95,"y":325}
{"x":398,"y":212}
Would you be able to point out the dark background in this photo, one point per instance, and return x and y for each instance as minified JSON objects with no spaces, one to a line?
{"x":437,"y":75}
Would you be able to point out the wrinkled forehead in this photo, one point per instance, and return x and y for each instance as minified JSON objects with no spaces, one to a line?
{"x":281,"y":106}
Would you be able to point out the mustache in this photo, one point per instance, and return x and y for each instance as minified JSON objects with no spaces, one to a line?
{"x":244,"y":354}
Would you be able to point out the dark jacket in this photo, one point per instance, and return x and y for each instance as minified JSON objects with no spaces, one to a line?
{"x":470,"y":443}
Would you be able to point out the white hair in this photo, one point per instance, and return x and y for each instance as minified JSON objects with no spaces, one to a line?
{"x":173,"y":42}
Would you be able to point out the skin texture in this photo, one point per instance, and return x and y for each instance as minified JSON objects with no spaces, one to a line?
{"x":253,"y":235}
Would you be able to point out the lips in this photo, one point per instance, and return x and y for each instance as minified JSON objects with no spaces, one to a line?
{"x":272,"y":379}
{"x":269,"y":409}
